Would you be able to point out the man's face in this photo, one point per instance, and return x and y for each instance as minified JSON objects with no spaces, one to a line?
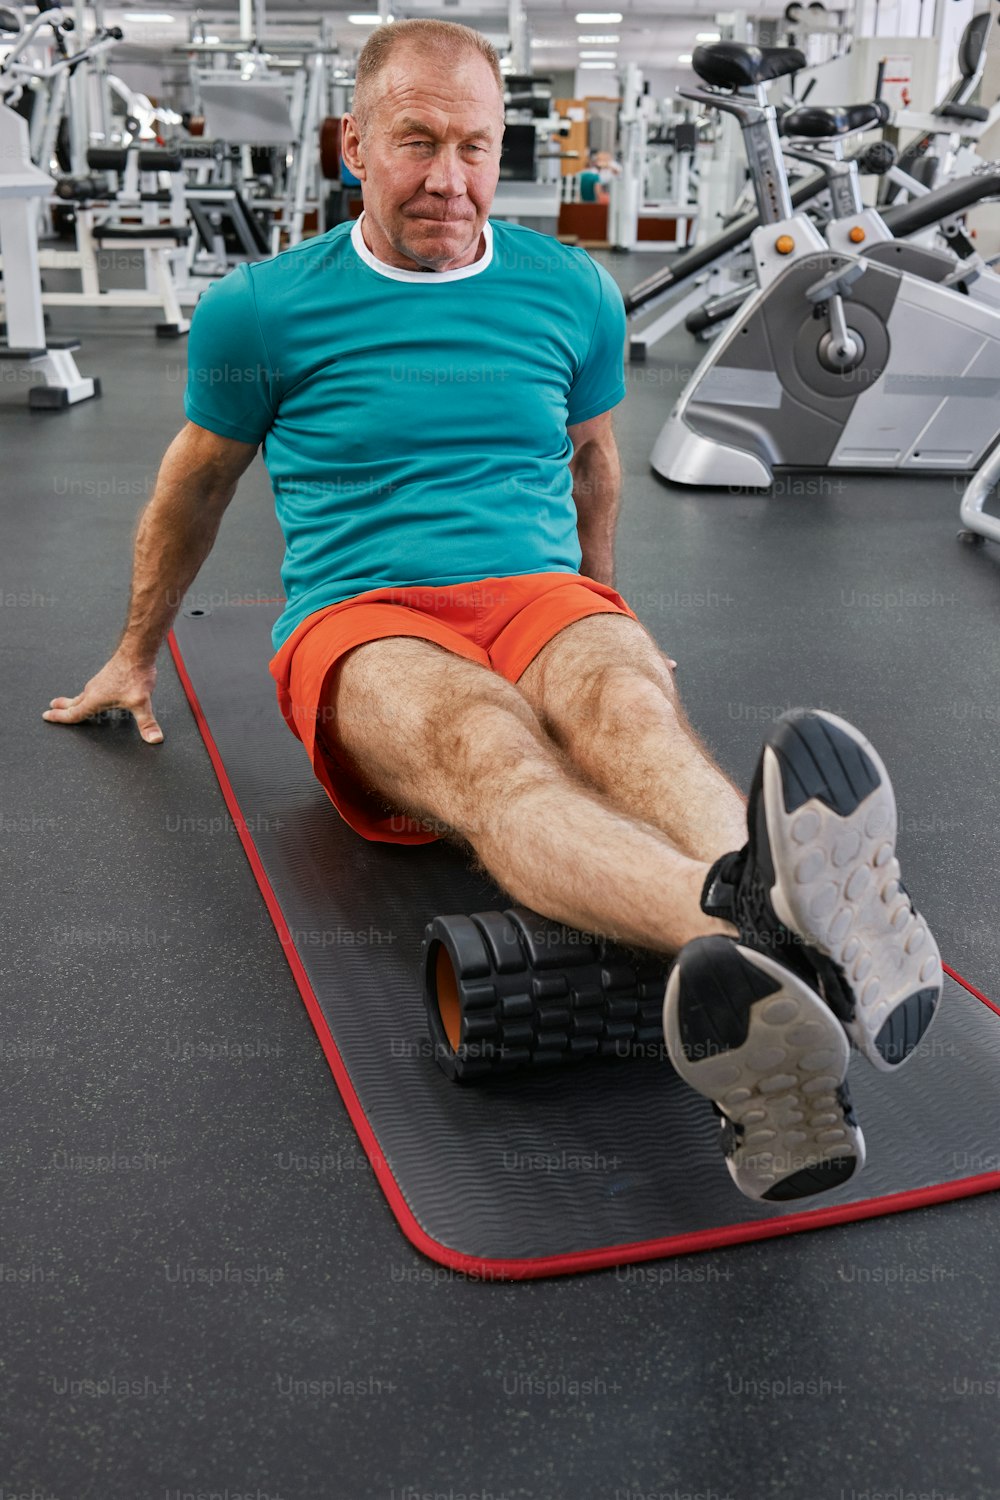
{"x":430,"y":161}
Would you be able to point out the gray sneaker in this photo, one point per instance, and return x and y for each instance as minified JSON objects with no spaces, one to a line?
{"x":750,"y":1035}
{"x":817,"y":885}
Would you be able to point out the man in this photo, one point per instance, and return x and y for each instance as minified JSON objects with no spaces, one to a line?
{"x":434,"y":395}
{"x":592,"y":189}
{"x":596,"y":177}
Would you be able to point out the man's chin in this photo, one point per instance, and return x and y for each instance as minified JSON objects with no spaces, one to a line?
{"x":435,"y":242}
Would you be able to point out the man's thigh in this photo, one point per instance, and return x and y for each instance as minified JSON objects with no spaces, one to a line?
{"x":422,"y":726}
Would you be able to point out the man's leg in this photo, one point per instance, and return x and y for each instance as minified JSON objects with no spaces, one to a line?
{"x":446,"y":739}
{"x":605,"y":693}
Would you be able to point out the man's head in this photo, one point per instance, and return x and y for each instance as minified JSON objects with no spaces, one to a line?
{"x":424,"y":139}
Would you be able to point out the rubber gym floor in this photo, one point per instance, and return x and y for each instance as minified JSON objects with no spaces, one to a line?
{"x":231,"y":1309}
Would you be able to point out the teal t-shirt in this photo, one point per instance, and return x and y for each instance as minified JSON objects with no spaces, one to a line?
{"x":413,"y":423}
{"x":588,"y":186}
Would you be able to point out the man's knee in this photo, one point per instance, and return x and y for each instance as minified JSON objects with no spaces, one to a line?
{"x":489,"y":723}
{"x":618,"y":701}
{"x":600,"y":669}
{"x":484,"y":751}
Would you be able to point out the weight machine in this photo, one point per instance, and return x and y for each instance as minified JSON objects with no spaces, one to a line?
{"x":656,"y":179}
{"x":23,"y":187}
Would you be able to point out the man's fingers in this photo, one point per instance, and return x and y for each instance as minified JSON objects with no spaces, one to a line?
{"x":76,"y":710}
{"x":120,"y":685}
{"x":148,"y":727}
{"x":70,"y":710}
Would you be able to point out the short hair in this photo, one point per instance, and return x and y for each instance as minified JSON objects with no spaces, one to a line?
{"x":445,"y":41}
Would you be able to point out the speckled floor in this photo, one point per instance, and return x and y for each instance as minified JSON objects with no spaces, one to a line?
{"x":203,"y":1288}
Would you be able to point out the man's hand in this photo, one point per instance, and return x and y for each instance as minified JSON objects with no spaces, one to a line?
{"x":119,"y":684}
{"x":196,"y":482}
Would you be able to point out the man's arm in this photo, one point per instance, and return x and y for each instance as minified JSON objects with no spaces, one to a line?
{"x":196,"y":482}
{"x":597,"y":474}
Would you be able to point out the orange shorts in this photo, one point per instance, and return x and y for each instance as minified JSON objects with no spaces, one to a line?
{"x":502,"y":623}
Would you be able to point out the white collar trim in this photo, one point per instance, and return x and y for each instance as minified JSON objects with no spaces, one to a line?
{"x":396,"y":273}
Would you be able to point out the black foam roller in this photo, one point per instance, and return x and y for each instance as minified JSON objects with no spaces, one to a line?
{"x":511,"y":989}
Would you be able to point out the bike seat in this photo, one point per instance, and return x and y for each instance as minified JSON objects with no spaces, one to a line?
{"x":962,"y":112}
{"x":738,"y":65}
{"x":822,"y":122}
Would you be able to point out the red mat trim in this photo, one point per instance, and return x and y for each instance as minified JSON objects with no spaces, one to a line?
{"x":476,"y":1268}
{"x":970,"y":987}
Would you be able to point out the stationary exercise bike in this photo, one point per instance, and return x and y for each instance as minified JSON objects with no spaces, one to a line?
{"x":836,"y":360}
{"x":817,"y":136}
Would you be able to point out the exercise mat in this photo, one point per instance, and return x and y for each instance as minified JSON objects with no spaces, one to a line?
{"x":533,"y":1173}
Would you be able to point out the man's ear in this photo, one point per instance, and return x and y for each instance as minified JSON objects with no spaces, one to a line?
{"x":350,"y":146}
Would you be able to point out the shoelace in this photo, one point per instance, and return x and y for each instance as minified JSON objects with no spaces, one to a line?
{"x":751,"y":911}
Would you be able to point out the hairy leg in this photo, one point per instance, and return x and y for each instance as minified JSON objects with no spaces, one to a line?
{"x":605,"y":693}
{"x":446,"y":739}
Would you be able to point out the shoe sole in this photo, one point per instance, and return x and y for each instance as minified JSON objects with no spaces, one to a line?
{"x":748,"y":1034}
{"x":831,"y":825}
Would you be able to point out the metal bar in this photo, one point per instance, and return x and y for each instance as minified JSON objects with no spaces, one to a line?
{"x":980,"y":487}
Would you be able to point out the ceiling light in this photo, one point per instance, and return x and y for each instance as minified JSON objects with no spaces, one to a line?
{"x":150,"y":16}
{"x":599,"y":54}
{"x":538,"y":41}
{"x":597,"y":40}
{"x":598,"y":17}
{"x":708,"y":36}
{"x":685,"y":57}
{"x":367,"y":20}
{"x":601,"y":67}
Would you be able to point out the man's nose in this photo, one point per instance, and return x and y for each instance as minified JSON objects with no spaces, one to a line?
{"x":446,"y":175}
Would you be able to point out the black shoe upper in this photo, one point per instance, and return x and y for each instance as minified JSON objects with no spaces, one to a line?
{"x":736,"y":891}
